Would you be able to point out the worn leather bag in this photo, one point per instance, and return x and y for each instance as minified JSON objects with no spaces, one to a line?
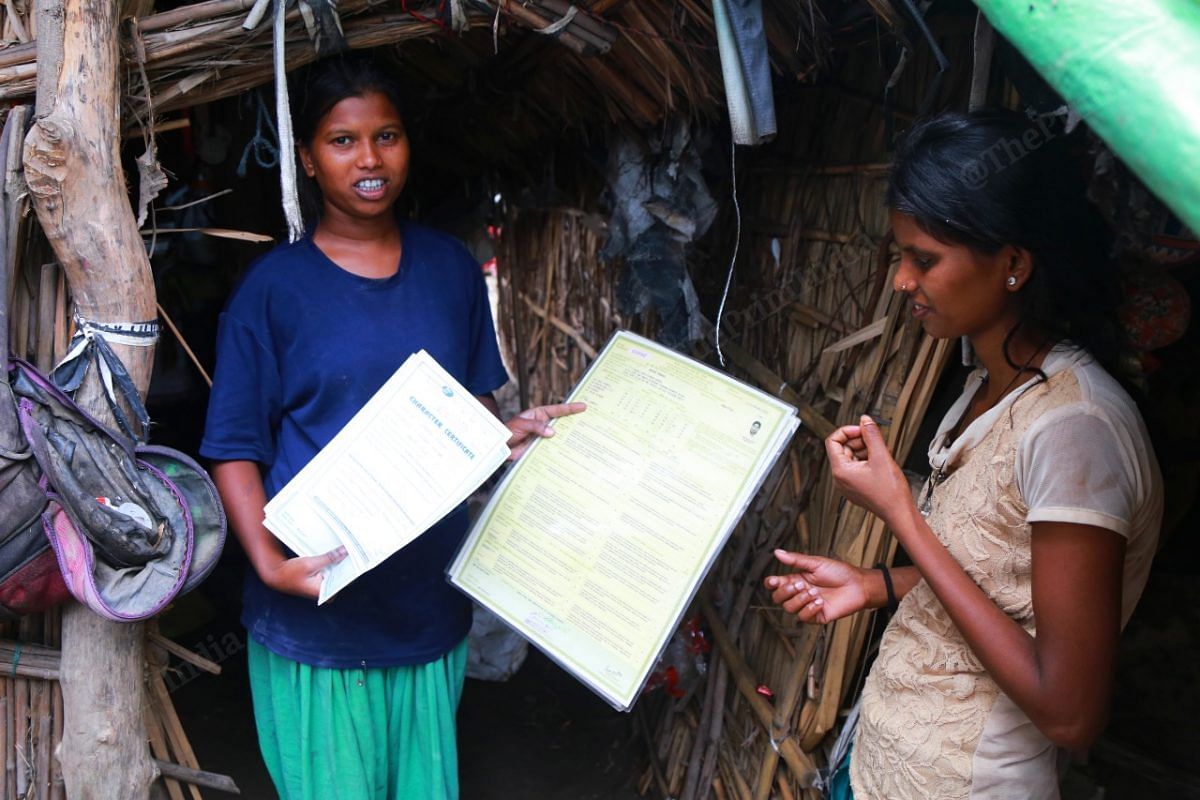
{"x":30,"y":580}
{"x":85,"y":512}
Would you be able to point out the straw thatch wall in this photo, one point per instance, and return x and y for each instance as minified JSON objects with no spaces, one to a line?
{"x":557,"y":298}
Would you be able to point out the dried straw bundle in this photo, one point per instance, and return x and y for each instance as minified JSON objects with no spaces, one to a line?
{"x":816,"y":322}
{"x":558,"y":300}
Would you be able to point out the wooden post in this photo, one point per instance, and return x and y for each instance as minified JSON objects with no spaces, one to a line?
{"x":77,"y":186}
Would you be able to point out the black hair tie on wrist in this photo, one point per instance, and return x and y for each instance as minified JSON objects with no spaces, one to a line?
{"x":892,"y":602}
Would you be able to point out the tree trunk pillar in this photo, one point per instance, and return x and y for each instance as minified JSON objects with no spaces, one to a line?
{"x":77,"y":186}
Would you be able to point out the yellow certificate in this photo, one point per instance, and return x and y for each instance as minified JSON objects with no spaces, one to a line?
{"x":596,"y":541}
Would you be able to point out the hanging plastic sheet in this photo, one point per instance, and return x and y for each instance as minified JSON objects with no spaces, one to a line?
{"x":661,"y":205}
{"x":746,"y":69}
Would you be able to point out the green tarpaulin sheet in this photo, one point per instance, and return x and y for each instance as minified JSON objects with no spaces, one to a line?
{"x":1131,"y":68}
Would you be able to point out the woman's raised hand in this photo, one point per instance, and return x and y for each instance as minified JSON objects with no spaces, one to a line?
{"x":534,"y":422}
{"x":864,"y":470}
{"x":821,"y":590}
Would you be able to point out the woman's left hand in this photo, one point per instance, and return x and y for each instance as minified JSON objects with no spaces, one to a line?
{"x":864,"y":470}
{"x":534,"y":422}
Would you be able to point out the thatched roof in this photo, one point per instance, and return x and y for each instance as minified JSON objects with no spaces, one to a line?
{"x":505,"y":87}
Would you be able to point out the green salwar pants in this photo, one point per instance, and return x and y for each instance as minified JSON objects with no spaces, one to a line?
{"x":358,"y":734}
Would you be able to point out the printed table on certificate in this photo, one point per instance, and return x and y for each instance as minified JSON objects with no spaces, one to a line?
{"x":596,"y":541}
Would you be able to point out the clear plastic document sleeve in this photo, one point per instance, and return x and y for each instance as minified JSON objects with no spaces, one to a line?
{"x":594,"y":544}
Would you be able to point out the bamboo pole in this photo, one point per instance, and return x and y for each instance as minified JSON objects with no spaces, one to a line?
{"x":714,"y":695}
{"x":161,"y":702}
{"x":57,"y":787}
{"x":788,"y":699}
{"x":160,"y":750}
{"x":10,"y":736}
{"x":45,"y":742}
{"x":531,"y":19}
{"x":581,"y":26}
{"x":797,"y":760}
{"x":6,"y":743}
{"x":47,"y":294}
{"x":197,"y":777}
{"x":21,"y":740}
{"x":190,"y":14}
{"x":179,"y":651}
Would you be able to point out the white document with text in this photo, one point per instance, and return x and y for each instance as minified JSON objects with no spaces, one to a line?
{"x":419,"y":447}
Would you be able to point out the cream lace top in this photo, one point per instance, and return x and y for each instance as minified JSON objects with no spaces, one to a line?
{"x":1073,"y":448}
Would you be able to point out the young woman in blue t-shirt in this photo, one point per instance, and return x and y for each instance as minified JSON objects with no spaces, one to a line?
{"x":356,"y":698}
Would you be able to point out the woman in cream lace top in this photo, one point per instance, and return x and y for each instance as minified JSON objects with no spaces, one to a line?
{"x":1033,"y":537}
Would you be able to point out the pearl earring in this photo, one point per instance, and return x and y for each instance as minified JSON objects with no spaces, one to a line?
{"x":1012,"y":281}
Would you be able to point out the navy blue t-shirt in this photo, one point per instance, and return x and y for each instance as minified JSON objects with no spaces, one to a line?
{"x":302,"y":345}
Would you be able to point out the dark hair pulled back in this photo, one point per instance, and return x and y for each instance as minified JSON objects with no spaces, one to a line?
{"x":319,"y":87}
{"x":316,"y":89}
{"x":987,"y":179}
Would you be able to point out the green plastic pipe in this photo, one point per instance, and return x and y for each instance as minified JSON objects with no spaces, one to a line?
{"x":1131,"y":68}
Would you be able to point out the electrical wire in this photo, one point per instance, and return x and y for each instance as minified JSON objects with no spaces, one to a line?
{"x":737,"y":241}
